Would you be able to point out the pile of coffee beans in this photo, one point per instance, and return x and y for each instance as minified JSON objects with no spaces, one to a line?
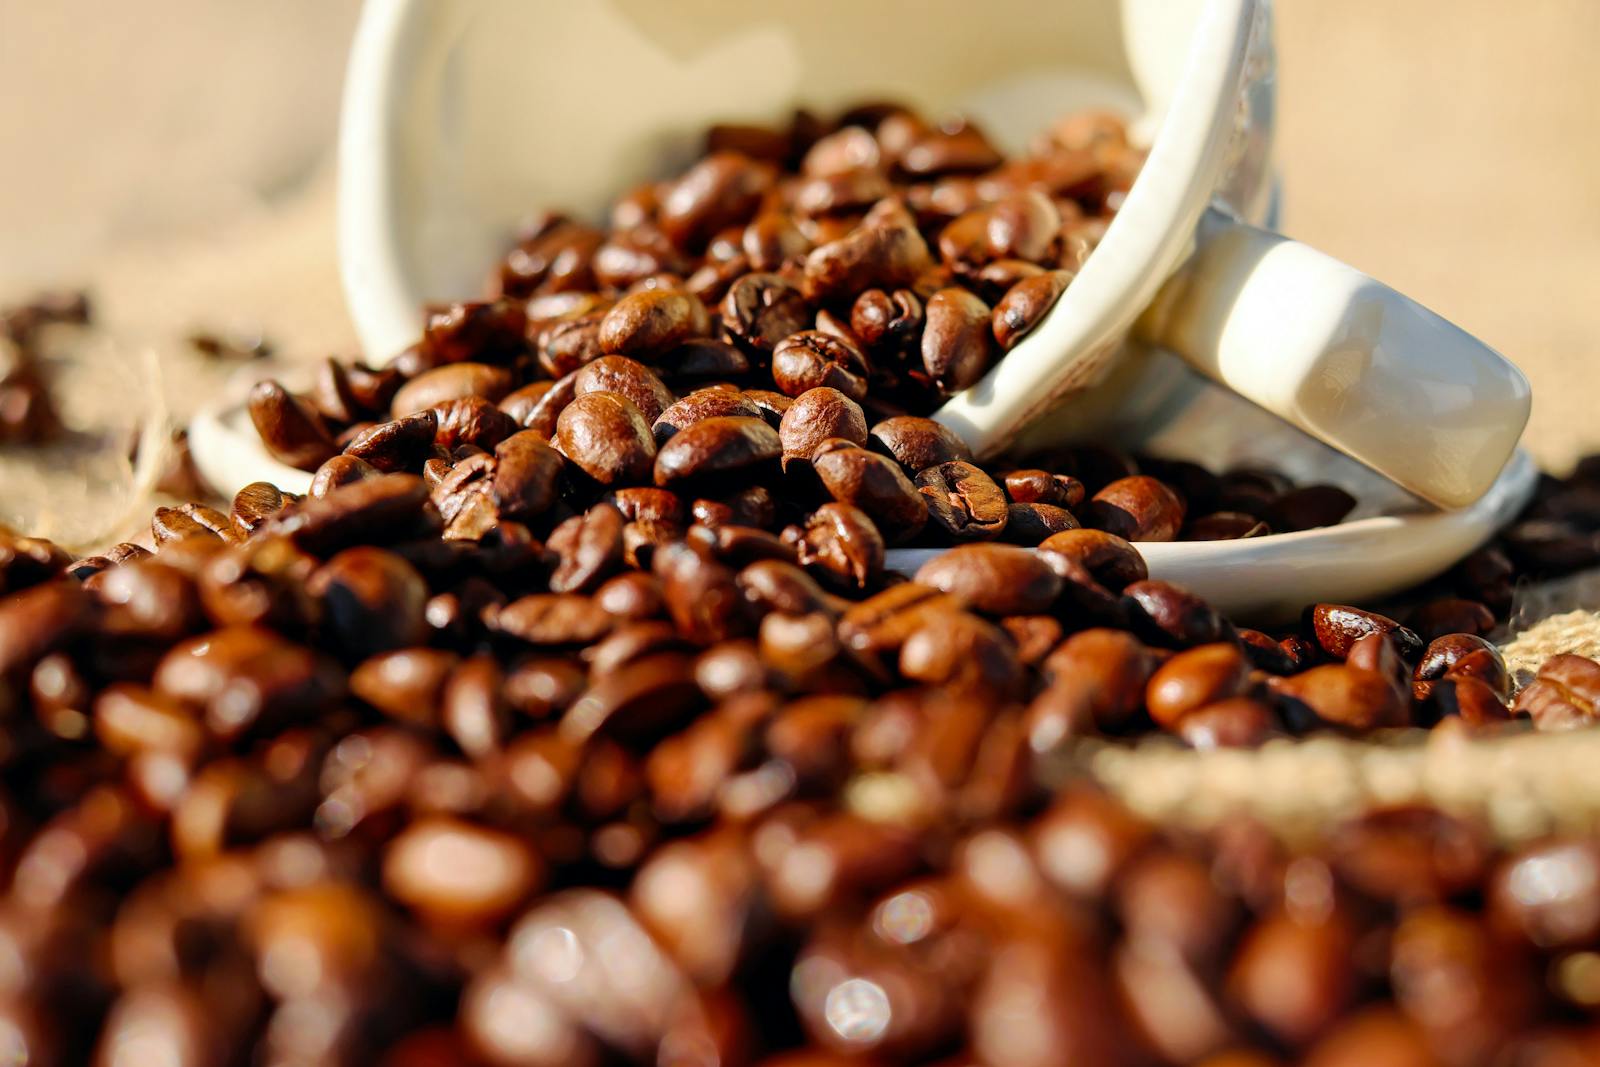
{"x":763,"y":335}
{"x":572,"y":716}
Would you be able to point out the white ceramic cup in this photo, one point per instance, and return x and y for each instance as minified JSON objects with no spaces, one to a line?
{"x":462,"y":116}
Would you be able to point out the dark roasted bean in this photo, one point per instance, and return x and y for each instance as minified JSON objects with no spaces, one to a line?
{"x":401,"y":444}
{"x":1138,"y":508}
{"x":1173,"y":615}
{"x":815,"y":416}
{"x":917,"y":443}
{"x":1336,"y":627}
{"x":606,"y":437}
{"x":700,"y":405}
{"x":1194,"y":679}
{"x":1308,"y":507}
{"x":842,"y":545}
{"x":588,"y":548}
{"x":289,"y":428}
{"x":811,"y":359}
{"x":994,"y":579}
{"x":434,"y":387}
{"x":1025,"y":305}
{"x":717,"y":449}
{"x":877,"y":486}
{"x":957,"y":346}
{"x":964,"y":501}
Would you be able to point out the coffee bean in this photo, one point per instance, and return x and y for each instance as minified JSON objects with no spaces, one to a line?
{"x":1549,"y":893}
{"x":1461,"y":653}
{"x":434,"y":387}
{"x":962,"y":653}
{"x":373,"y":600}
{"x":649,"y":323}
{"x":811,"y":359}
{"x":1238,"y":722}
{"x":1473,"y":701}
{"x":469,"y":420}
{"x":1025,"y":305}
{"x":1308,"y":507}
{"x":877,"y":254}
{"x":841,"y":545}
{"x":552,"y":619}
{"x":723,"y":189}
{"x":956,"y":341}
{"x":994,"y":579}
{"x":815,"y":416}
{"x":486,"y":875}
{"x":1451,"y":615}
{"x":605,"y":436}
{"x":150,"y":599}
{"x":588,"y":547}
{"x":405,"y":683}
{"x":1336,"y":627}
{"x":247,"y":680}
{"x":1194,"y":679}
{"x":342,"y":470}
{"x":720,"y":449}
{"x":963,"y":500}
{"x":917,"y":443}
{"x":1564,"y":695}
{"x":1344,"y":696}
{"x":290,"y":430}
{"x":700,"y":405}
{"x":254,"y":505}
{"x":877,"y":486}
{"x":1138,"y":508}
{"x":1171,"y":615}
{"x":398,"y":445}
{"x":760,"y":310}
{"x":1318,"y":953}
{"x":1224,"y":526}
{"x":1033,"y":524}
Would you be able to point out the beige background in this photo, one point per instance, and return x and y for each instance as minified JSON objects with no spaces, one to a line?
{"x":173,"y":154}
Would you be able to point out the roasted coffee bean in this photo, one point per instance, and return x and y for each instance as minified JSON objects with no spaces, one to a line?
{"x":700,"y":405}
{"x":1451,"y":615}
{"x":964,"y":501}
{"x":811,"y":359}
{"x":289,"y":428}
{"x":254,"y":505}
{"x":752,"y":506}
{"x":1564,"y":695}
{"x":247,"y":680}
{"x":1336,"y":627}
{"x":956,"y":340}
{"x":1549,"y":893}
{"x":401,"y":444}
{"x":26,"y":561}
{"x":342,"y":470}
{"x":772,"y":239}
{"x":818,"y":415}
{"x":1195,"y":679}
{"x":434,"y":387}
{"x":470,"y":420}
{"x":405,"y":684}
{"x":1032,"y":486}
{"x":1309,"y":507}
{"x":373,"y":600}
{"x":1461,"y":653}
{"x":760,"y":310}
{"x":525,"y":475}
{"x":605,"y":436}
{"x":1032,"y":524}
{"x":37,"y":620}
{"x":1171,"y":615}
{"x":875,"y":485}
{"x":627,"y":378}
{"x":891,"y":321}
{"x":588,"y":548}
{"x":485,"y":332}
{"x":917,"y":443}
{"x":1473,"y":701}
{"x":1138,"y":508}
{"x":723,"y":189}
{"x":841,"y":545}
{"x":538,"y":405}
{"x":488,"y":872}
{"x":189,"y":520}
{"x":885,"y":253}
{"x":962,"y":653}
{"x":151,"y":599}
{"x":994,"y":579}
{"x":717,"y":449}
{"x":382,"y":509}
{"x":552,"y":619}
{"x":1344,"y":696}
{"x":1317,"y":952}
{"x":1025,"y":305}
{"x":647,"y":323}
{"x":1238,"y":722}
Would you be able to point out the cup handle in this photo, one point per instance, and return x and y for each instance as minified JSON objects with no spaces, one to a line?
{"x":1345,"y":358}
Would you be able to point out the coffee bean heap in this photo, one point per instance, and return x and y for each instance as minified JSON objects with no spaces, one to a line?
{"x":573,"y":718}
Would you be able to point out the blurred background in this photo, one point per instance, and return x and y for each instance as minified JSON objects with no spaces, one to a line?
{"x":174,"y":156}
